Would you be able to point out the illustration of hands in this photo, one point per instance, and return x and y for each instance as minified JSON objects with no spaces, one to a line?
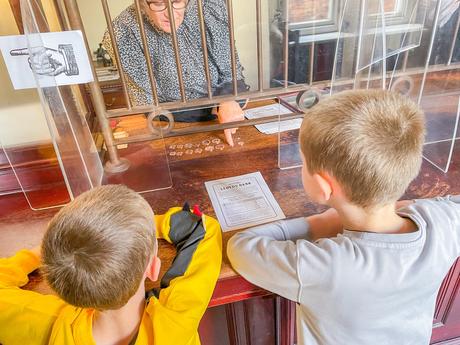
{"x":48,"y":61}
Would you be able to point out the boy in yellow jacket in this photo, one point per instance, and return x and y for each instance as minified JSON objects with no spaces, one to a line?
{"x":96,"y":254}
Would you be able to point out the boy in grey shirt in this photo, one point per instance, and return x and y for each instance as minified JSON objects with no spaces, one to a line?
{"x":361,"y":273}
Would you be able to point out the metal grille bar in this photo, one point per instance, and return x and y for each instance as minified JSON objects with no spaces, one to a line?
{"x":232,"y":47}
{"x":172,"y":24}
{"x":108,"y":20}
{"x":204,"y":46}
{"x":260,"y":66}
{"x":146,"y":52}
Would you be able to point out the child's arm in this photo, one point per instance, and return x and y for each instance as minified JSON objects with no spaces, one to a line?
{"x":267,"y":256}
{"x":188,"y":284}
{"x":14,"y":270}
{"x":324,"y":225}
{"x":25,"y":316}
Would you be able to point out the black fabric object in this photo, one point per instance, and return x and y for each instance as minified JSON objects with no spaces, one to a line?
{"x":205,"y":114}
{"x":194,"y":115}
{"x":186,"y":233}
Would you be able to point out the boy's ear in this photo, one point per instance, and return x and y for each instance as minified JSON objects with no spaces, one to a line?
{"x":325,"y":184}
{"x":153,"y":270}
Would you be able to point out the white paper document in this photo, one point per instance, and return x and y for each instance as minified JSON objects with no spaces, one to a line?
{"x":243,"y":201}
{"x":58,"y":58}
{"x":276,"y":126}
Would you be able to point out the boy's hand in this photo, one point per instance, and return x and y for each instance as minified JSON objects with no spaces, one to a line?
{"x":324,"y":225}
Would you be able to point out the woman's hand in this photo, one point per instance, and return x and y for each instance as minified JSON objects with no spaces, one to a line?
{"x":229,"y":112}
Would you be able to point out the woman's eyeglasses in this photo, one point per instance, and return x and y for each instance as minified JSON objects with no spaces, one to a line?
{"x":159,"y":6}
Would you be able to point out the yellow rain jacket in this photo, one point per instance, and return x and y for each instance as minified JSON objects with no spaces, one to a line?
{"x":28,"y":318}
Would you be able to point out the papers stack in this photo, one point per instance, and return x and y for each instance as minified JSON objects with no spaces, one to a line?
{"x":276,"y":126}
{"x":243,"y":201}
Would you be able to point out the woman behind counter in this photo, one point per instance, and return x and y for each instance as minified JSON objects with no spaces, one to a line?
{"x":158,"y":33}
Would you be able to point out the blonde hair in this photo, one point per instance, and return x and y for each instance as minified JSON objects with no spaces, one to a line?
{"x":369,"y":140}
{"x":96,"y":249}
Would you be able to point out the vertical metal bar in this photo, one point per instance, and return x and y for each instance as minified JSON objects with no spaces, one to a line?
{"x":98,"y":99}
{"x":372,"y":57}
{"x":406,"y":58}
{"x":384,"y":46}
{"x":312,"y":49}
{"x":312,"y":62}
{"x":232,"y":46}
{"x":61,"y":15}
{"x":172,"y":24}
{"x":108,"y":20}
{"x":148,"y":59}
{"x":451,"y":51}
{"x":409,"y":34}
{"x":204,"y":47}
{"x":428,"y":57}
{"x":286,"y":42}
{"x":360,"y":39}
{"x":260,"y":66}
{"x":337,"y":47}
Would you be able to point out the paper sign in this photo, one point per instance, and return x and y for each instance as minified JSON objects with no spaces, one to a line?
{"x":243,"y":201}
{"x":58,"y":58}
{"x":276,"y":126}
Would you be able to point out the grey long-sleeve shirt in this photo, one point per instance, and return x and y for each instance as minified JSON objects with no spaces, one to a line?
{"x":358,"y":287}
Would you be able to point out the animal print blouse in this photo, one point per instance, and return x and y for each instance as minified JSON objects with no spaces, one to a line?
{"x":133,"y":61}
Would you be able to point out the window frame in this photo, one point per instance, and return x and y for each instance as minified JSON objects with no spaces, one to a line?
{"x":331,"y":24}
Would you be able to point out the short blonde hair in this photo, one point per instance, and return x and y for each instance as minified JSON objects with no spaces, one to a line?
{"x":369,"y":140}
{"x":96,"y":249}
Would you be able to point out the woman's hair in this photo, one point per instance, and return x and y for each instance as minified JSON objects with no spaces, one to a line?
{"x":96,"y":249}
{"x":369,"y":140}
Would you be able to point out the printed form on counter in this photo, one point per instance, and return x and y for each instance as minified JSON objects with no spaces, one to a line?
{"x":243,"y":201}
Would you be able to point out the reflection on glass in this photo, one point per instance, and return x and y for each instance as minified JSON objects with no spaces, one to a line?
{"x":308,"y":10}
{"x":389,"y":6}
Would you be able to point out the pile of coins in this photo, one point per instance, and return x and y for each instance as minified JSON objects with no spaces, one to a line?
{"x":208,"y":145}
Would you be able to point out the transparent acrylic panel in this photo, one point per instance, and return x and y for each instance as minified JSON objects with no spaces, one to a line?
{"x":75,"y":151}
{"x":148,"y":162}
{"x":439,"y":85}
{"x":442,"y":129}
{"x":302,"y":50}
{"x":373,"y":34}
{"x":440,"y":101}
{"x":288,"y":137}
{"x":31,"y":155}
{"x":301,"y":42}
